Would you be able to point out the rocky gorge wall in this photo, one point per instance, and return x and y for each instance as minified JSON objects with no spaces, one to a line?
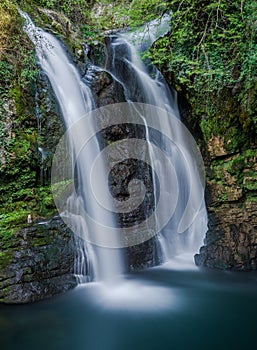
{"x":231,"y":183}
{"x":38,"y":263}
{"x":231,"y":241}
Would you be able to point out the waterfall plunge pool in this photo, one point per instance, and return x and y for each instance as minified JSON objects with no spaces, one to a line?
{"x":159,"y":308}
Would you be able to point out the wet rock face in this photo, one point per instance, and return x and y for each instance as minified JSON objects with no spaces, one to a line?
{"x":231,"y":242}
{"x":107,"y":91}
{"x":231,"y":200}
{"x":143,"y":255}
{"x":38,"y":263}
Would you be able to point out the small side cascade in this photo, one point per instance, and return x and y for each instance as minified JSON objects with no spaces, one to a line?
{"x":82,"y":269}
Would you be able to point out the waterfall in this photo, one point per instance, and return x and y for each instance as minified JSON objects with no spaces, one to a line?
{"x":147,"y":92}
{"x":143,"y":82}
{"x":75,"y":100}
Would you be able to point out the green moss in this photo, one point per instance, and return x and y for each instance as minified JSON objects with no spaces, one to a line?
{"x":40,"y":241}
{"x":251,"y":197}
{"x":14,"y":212}
{"x":5,"y":259}
{"x":15,"y":94}
{"x":250,"y":182}
{"x":235,"y":174}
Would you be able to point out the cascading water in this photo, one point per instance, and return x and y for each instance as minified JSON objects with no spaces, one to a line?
{"x":141,"y":82}
{"x":76,"y":100}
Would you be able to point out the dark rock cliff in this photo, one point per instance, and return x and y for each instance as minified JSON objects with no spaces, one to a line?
{"x":108,"y":91}
{"x":38,"y":263}
{"x":231,"y":241}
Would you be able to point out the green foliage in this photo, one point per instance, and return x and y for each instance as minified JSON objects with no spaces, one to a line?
{"x":18,"y":217}
{"x":211,"y":56}
{"x":29,"y":71}
{"x":118,"y":14}
{"x":76,"y":10}
{"x":18,"y":127}
{"x":207,"y":40}
{"x":5,"y":258}
{"x":89,"y":32}
{"x":67,"y":6}
{"x":144,"y":11}
{"x":109,"y":15}
{"x":5,"y":76}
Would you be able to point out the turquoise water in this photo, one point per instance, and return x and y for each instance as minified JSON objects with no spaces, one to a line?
{"x":155,"y":309}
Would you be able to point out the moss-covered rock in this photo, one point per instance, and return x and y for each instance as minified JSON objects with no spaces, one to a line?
{"x":37,"y":262}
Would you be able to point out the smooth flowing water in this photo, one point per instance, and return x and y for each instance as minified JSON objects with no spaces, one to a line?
{"x":75,"y":100}
{"x":143,"y":82}
{"x":193,"y":309}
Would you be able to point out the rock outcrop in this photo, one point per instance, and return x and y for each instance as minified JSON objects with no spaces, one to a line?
{"x":37,"y":262}
{"x":231,"y":241}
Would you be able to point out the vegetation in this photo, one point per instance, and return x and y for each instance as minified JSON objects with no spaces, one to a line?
{"x":21,"y":190}
{"x":211,"y":55}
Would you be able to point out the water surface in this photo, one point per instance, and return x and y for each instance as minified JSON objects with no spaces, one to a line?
{"x":161,"y":308}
